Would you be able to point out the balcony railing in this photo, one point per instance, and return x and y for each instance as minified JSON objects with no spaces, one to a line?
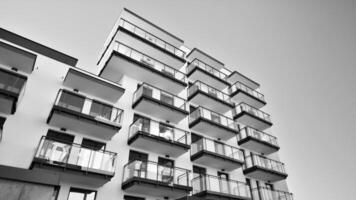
{"x":161,"y":96}
{"x":205,"y":144}
{"x":254,"y":111}
{"x":11,"y":82}
{"x":93,"y":108}
{"x":264,"y":162}
{"x":211,"y":70}
{"x":149,"y":61}
{"x":201,"y":112}
{"x":263,"y":193}
{"x":251,"y":132}
{"x":156,"y":129}
{"x":198,"y":85}
{"x":151,"y":38}
{"x":240,"y":86}
{"x":63,"y":154}
{"x":155,"y":172}
{"x":220,"y":185}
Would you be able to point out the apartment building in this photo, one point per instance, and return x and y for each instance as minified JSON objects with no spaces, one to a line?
{"x":156,"y":120}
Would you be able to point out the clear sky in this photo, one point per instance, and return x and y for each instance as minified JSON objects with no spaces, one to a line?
{"x":302,"y":52}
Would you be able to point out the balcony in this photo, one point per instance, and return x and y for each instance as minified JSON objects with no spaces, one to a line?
{"x":200,"y":55}
{"x":257,"y":141}
{"x":12,"y":88}
{"x":251,"y":116}
{"x":263,"y":193}
{"x":151,"y":39}
{"x":125,"y":60}
{"x":215,"y":154}
{"x":240,"y":93}
{"x":238,"y":77}
{"x":263,"y":168}
{"x":152,"y":179}
{"x":91,"y":84}
{"x":78,"y":113}
{"x":17,"y":58}
{"x":75,"y":163}
{"x":198,"y":70}
{"x":216,"y":188}
{"x":212,"y":124}
{"x":158,"y":103}
{"x":202,"y":94}
{"x":166,"y":140}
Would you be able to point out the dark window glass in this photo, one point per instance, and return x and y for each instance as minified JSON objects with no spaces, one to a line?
{"x":165,"y":131}
{"x":144,"y":123}
{"x":100,"y":110}
{"x":11,"y":82}
{"x":135,"y":155}
{"x":80,"y":194}
{"x":71,"y":101}
{"x":91,"y":144}
{"x":60,"y":136}
{"x":166,"y":98}
{"x":127,"y":197}
{"x":147,"y":91}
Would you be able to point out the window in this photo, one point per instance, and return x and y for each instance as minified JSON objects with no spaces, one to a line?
{"x":80,"y":194}
{"x":60,"y":136}
{"x":165,"y":131}
{"x":71,"y":101}
{"x":91,"y":144}
{"x":166,"y":98}
{"x":127,"y":197}
{"x":143,"y":123}
{"x":215,"y":117}
{"x":100,"y":110}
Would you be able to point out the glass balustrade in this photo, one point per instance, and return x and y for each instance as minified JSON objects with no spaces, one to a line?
{"x":263,"y":193}
{"x":211,"y":70}
{"x":251,"y":132}
{"x":240,"y":86}
{"x":254,"y":111}
{"x":55,"y":152}
{"x":12,"y":82}
{"x":220,"y":185}
{"x":201,"y":112}
{"x":151,"y":38}
{"x":153,"y":171}
{"x":96,"y":109}
{"x":198,"y":85}
{"x":157,"y":129}
{"x":160,"y":95}
{"x":205,"y":144}
{"x":264,"y":162}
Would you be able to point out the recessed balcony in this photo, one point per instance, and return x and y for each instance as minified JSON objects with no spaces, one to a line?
{"x":216,"y":188}
{"x":167,"y":140}
{"x":91,"y":84}
{"x":202,"y":94}
{"x":125,"y":60}
{"x":198,"y":70}
{"x":215,"y":154}
{"x":17,"y":58}
{"x":12,"y":88}
{"x":212,"y":124}
{"x":263,"y":193}
{"x":151,"y":179}
{"x":257,"y":141}
{"x":238,"y":77}
{"x":75,"y":163}
{"x":251,"y":116}
{"x":240,"y":93}
{"x":263,"y":168}
{"x":158,"y":103}
{"x":79,"y":113}
{"x":151,"y":39}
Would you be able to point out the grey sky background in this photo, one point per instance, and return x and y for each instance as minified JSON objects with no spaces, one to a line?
{"x":303,"y":53}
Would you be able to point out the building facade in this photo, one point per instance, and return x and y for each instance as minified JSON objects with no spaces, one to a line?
{"x":157,"y":120}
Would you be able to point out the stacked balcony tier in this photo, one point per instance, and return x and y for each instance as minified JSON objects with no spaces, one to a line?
{"x":212,"y":124}
{"x":17,"y":58}
{"x":125,"y":60}
{"x":215,"y":154}
{"x":216,"y":188}
{"x":76,"y":163}
{"x":257,"y":141}
{"x":263,"y":168}
{"x":251,"y":116}
{"x":12,"y":87}
{"x":238,"y":77}
{"x":198,"y":70}
{"x":152,"y":179}
{"x":241,"y":93}
{"x":263,"y":193}
{"x":202,"y":94}
{"x":81,"y":114}
{"x":167,"y":140}
{"x":159,"y":103}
